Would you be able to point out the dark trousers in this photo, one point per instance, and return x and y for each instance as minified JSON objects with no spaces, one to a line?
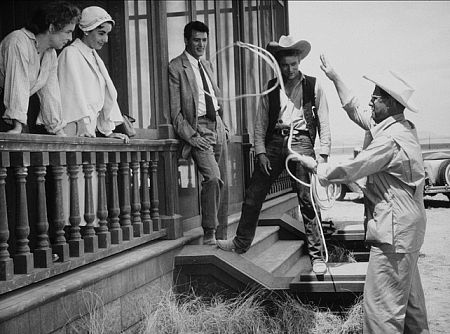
{"x":260,"y":183}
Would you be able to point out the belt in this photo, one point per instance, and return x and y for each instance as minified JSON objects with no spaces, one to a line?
{"x":284,"y":132}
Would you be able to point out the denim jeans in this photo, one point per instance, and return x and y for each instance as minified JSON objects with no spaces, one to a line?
{"x":260,"y":183}
{"x":211,"y":164}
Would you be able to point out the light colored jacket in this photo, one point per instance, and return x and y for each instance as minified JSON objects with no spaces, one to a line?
{"x":83,"y":95}
{"x":184,"y":98}
{"x":391,"y":172}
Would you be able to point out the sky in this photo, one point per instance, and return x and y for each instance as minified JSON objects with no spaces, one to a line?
{"x":359,"y":37}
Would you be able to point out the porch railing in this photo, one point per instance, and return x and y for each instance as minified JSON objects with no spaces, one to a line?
{"x":67,"y":202}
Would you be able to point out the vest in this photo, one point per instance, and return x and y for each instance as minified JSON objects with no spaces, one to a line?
{"x":309,"y":103}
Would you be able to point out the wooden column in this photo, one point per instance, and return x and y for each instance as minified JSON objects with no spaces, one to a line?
{"x":56,"y":211}
{"x":76,"y":243}
{"x":104,"y":236}
{"x":113,"y":199}
{"x":23,"y":259}
{"x":6,"y":263}
{"x":89,"y":237}
{"x":124,"y":196}
{"x":154,"y":199}
{"x":145,"y":195}
{"x":135,"y":196}
{"x":42,"y":252}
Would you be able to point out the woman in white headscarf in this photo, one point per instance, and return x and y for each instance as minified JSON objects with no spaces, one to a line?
{"x":88,"y":95}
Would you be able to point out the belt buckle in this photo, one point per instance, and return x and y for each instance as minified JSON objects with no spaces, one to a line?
{"x":284,"y":132}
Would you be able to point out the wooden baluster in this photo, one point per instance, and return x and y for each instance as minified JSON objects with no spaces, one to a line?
{"x":6,"y":263}
{"x":76,"y":243}
{"x":42,"y":252}
{"x":124,"y":196}
{"x":145,"y":195}
{"x":89,"y":237}
{"x":154,"y":201}
{"x":23,"y":259}
{"x":56,"y":212}
{"x":104,"y":236}
{"x":113,"y":199}
{"x":135,"y":197}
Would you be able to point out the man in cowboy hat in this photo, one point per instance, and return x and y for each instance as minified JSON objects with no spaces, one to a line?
{"x":391,"y":173}
{"x":304,"y":105}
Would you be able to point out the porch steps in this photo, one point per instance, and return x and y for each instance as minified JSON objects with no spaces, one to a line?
{"x":277,"y":260}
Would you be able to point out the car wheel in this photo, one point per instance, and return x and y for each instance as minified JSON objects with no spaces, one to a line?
{"x":444,"y":173}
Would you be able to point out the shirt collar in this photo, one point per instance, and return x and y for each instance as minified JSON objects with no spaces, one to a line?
{"x":383,"y":125}
{"x":31,"y":36}
{"x":192,"y":60}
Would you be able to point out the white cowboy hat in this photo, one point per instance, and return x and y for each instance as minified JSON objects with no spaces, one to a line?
{"x":395,"y":86}
{"x":288,"y":43}
{"x":92,"y":17}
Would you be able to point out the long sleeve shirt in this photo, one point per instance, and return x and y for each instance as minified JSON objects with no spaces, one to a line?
{"x":23,"y":73}
{"x":390,"y":168}
{"x":296,"y":96}
{"x":88,"y":92}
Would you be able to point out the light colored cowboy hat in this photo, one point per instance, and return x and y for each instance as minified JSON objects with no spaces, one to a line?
{"x":395,"y":86}
{"x":92,"y":17}
{"x":288,"y":43}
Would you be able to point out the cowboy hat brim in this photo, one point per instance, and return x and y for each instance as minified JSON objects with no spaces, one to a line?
{"x":302,"y":46}
{"x":395,"y":86}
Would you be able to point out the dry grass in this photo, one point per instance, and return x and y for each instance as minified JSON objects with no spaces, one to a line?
{"x":246,"y":314}
{"x":255,"y":312}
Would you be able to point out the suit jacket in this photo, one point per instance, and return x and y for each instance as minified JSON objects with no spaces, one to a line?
{"x":184,"y":98}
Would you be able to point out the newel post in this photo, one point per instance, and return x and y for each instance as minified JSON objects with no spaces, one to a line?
{"x":6,"y":263}
{"x":170,"y":219}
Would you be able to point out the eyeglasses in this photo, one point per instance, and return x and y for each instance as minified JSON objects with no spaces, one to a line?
{"x":376,"y":97}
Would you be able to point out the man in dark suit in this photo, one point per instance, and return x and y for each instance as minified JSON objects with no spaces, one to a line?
{"x":197,"y":119}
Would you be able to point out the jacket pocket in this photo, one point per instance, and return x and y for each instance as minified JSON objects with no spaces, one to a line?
{"x":380,"y":227}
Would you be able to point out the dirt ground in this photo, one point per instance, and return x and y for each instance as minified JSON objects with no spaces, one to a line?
{"x":434,"y":261}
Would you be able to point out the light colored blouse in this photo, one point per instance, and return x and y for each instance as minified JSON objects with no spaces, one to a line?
{"x":87,"y":91}
{"x":23,"y":73}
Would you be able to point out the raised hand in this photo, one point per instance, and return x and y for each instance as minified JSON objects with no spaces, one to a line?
{"x":327,"y":68}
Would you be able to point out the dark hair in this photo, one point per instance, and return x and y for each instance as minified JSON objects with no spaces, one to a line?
{"x":195,"y":25}
{"x":58,"y":13}
{"x":287,"y":53}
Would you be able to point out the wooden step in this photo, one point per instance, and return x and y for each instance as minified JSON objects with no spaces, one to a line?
{"x":280,"y":257}
{"x":340,"y":277}
{"x":265,"y":237}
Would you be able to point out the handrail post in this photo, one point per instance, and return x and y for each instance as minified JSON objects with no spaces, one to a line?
{"x":113,"y":199}
{"x":56,"y":215}
{"x":135,"y":196}
{"x":145,"y":195}
{"x":124,"y":195}
{"x":76,"y":243}
{"x":104,"y":236}
{"x":89,"y":237}
{"x":23,"y":258}
{"x":42,"y":252}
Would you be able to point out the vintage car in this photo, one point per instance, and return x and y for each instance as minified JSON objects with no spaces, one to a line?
{"x":437,"y":172}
